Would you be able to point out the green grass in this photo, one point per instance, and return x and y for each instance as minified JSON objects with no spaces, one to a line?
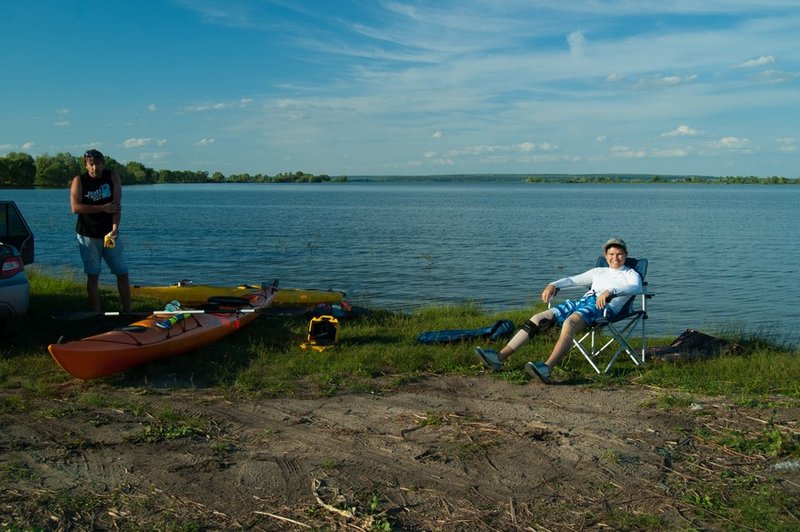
{"x":374,"y":351}
{"x":760,"y":371}
{"x":378,"y":352}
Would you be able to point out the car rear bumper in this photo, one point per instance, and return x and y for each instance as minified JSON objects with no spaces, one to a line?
{"x":15,"y":296}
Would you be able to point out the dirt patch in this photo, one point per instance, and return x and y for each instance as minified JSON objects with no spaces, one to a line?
{"x":442,"y":453}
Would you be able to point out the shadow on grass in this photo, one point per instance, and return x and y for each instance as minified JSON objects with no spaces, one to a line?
{"x":36,"y":330}
{"x":215,"y":365}
{"x":369,"y":340}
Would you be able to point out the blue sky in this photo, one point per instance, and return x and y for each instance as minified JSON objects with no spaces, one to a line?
{"x":352,"y":87}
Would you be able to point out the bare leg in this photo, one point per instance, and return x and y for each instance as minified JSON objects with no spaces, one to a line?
{"x":572,"y":326}
{"x":93,"y":289}
{"x":542,"y":320}
{"x":124,"y":287}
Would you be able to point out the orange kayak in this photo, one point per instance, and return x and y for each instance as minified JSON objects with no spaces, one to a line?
{"x":156,"y":336}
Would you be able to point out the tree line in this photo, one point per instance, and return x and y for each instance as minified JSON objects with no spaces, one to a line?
{"x":612,"y":178}
{"x":56,"y":171}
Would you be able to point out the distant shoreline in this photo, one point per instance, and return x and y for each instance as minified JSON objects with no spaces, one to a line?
{"x":610,"y":178}
{"x":566,"y":179}
{"x":21,"y":170}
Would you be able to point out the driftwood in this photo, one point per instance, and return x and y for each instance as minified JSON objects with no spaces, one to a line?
{"x":691,"y":345}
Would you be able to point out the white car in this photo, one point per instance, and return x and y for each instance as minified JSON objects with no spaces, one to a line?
{"x":16,"y":250}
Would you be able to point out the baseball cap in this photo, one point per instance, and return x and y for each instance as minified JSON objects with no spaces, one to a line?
{"x":616,"y":241}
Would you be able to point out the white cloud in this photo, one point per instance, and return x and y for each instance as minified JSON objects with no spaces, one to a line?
{"x":204,"y":142}
{"x":788,"y":144}
{"x":681,"y":131}
{"x":135,"y":143}
{"x":154,"y":156}
{"x":664,"y":81}
{"x":62,"y":120}
{"x":526,"y":146}
{"x":626,"y":152}
{"x":763,"y":60}
{"x":673,"y":152}
{"x":141,"y":142}
{"x":202,"y":108}
{"x":437,"y":135}
{"x":26,"y":146}
{"x":522,"y":147}
{"x":731,"y":143}
{"x":151,"y":107}
{"x":775,"y":76}
{"x":576,"y":42}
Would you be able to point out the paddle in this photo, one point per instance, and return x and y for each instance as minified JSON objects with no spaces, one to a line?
{"x":88,"y":314}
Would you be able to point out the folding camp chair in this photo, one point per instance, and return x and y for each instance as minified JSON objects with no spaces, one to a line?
{"x":620,"y":326}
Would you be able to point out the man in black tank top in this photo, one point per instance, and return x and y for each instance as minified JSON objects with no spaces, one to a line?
{"x":96,"y":197}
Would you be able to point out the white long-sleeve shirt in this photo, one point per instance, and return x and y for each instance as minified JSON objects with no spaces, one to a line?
{"x":622,"y":281}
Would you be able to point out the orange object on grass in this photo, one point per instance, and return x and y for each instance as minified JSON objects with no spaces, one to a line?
{"x":144,"y":341}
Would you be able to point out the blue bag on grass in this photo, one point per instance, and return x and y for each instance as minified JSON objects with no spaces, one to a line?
{"x":499,"y":329}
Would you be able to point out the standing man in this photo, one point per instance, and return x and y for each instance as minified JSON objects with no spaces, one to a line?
{"x":96,"y":197}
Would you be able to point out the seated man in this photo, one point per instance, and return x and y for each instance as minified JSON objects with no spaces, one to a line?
{"x":573,"y":316}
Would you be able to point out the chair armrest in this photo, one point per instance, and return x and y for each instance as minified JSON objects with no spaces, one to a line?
{"x":646,"y":292}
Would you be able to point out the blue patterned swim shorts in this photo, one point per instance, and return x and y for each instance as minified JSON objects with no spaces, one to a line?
{"x":585,"y":306}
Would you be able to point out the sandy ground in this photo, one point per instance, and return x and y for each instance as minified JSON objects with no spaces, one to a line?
{"x":441,"y":453}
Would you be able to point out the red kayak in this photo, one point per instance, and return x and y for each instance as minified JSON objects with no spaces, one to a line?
{"x":157,"y":336}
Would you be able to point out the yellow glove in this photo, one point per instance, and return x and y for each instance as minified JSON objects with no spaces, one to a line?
{"x":109,"y":241}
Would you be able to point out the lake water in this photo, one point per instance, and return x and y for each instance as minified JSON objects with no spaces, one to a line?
{"x":722,"y":257}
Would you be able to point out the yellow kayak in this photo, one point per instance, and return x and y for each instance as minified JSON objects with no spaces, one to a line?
{"x":190,"y":294}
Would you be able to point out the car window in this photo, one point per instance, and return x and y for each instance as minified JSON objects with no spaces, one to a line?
{"x":11,"y":223}
{"x":14,"y":230}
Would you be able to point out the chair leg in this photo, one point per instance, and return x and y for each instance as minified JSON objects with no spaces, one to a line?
{"x":586,"y":354}
{"x":621,"y":336}
{"x":644,"y":338}
{"x":624,"y":346}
